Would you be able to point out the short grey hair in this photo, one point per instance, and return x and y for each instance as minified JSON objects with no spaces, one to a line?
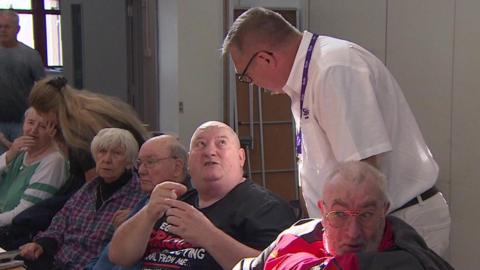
{"x":178,"y":151}
{"x":266,"y":27}
{"x":358,"y":172}
{"x":12,"y":14}
{"x":115,"y":137}
{"x":28,"y":111}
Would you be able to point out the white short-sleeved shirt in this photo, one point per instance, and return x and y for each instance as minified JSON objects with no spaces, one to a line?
{"x":356,"y":110}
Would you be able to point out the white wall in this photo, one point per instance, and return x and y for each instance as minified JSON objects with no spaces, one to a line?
{"x":465,"y":169}
{"x":200,"y":64}
{"x":190,"y":63}
{"x":168,"y":65}
{"x":431,"y":47}
{"x":419,"y":51}
{"x":300,"y":5}
{"x":190,"y":35}
{"x":104,"y":45}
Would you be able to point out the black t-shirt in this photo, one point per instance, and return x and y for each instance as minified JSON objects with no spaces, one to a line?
{"x":249,"y":213}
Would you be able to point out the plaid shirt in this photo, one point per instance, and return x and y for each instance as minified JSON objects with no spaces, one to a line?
{"x":80,"y":230}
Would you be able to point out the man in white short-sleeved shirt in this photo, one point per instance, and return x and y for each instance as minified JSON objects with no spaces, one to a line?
{"x":347,"y":106}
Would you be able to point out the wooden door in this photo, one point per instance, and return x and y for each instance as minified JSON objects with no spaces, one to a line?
{"x":265,"y":124}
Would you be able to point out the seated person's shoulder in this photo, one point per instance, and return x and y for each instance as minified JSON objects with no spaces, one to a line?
{"x":257,"y":193}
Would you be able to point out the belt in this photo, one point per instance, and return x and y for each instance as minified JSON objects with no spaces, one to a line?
{"x":425,"y":196}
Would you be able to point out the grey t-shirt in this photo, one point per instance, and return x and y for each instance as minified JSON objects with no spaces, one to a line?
{"x":20,"y":67}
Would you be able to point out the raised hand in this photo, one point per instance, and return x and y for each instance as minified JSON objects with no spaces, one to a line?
{"x":157,"y":205}
{"x":22,"y":143}
{"x":188,"y":222}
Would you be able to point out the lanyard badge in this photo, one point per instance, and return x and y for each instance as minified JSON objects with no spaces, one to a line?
{"x":304,"y":111}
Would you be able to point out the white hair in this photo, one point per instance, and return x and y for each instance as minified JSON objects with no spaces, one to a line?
{"x":115,"y":137}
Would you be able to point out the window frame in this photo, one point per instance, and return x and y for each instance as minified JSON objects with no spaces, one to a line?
{"x":39,"y":14}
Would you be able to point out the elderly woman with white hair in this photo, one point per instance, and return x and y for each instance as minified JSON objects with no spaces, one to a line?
{"x":81,"y":229}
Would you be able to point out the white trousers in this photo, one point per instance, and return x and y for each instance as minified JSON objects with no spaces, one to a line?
{"x":431,"y":219}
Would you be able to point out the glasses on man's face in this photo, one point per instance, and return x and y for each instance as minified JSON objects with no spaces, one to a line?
{"x":149,"y":162}
{"x":338,"y":219}
{"x":243,"y":77}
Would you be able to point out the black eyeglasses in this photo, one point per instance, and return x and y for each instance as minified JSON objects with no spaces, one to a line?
{"x":243,"y":77}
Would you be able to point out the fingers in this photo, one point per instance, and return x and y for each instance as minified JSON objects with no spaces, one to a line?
{"x":23,"y":143}
{"x":51,"y":129}
{"x":119,"y":217}
{"x":121,"y":212}
{"x":179,"y":212}
{"x":176,"y":204}
{"x":173,"y":221}
{"x":162,"y":193}
{"x":31,"y":251}
{"x":177,"y":188}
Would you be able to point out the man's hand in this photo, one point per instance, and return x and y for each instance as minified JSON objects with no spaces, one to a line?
{"x":157,"y":205}
{"x":119,"y":217}
{"x":21,"y":143}
{"x":188,"y":222}
{"x":31,"y":251}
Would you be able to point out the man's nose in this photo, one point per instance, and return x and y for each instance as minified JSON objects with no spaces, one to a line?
{"x":35,"y":128}
{"x":210,"y":149}
{"x":353,"y":227}
{"x":142,"y":170}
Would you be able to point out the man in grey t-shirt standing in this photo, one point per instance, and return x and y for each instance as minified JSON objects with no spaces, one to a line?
{"x":20,"y":67}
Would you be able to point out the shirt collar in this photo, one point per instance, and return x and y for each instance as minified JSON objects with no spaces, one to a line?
{"x":293,"y":85}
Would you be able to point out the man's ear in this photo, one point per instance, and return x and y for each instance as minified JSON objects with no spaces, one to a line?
{"x":178,"y":167}
{"x":321,"y":206}
{"x":268,"y":57}
{"x":386,"y":207}
{"x":241,"y":153}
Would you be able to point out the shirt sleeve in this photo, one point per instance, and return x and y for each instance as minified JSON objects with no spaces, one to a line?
{"x":350,"y":113}
{"x":48,"y":178}
{"x":3,"y":162}
{"x":45,"y":182}
{"x":305,"y":261}
{"x":59,"y":222}
{"x":285,"y":254}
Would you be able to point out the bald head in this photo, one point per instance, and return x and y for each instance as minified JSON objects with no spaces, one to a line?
{"x":215,"y":124}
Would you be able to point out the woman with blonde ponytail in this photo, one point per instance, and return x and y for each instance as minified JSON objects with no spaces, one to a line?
{"x":80,"y":114}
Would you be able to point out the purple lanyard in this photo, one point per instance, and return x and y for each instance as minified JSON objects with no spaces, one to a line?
{"x":303,"y":111}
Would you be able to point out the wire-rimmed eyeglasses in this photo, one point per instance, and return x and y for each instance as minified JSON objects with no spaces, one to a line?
{"x":149,"y":162}
{"x":338,"y":219}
